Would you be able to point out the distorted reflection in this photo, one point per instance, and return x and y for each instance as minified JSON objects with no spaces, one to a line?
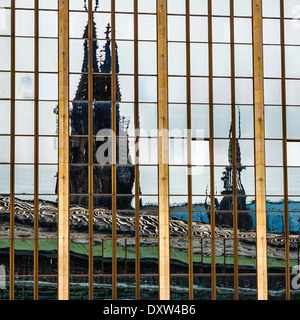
{"x":224,"y":190}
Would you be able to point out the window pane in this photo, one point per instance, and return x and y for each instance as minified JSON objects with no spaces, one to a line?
{"x":48,"y":86}
{"x":242,"y":7}
{"x":5,"y":16}
{"x":176,"y":28}
{"x":198,"y":29}
{"x":272,"y":61}
{"x":24,"y":150}
{"x":293,"y":92}
{"x":222,"y":90}
{"x":24,"y":117}
{"x":220,"y":7}
{"x":48,"y":24}
{"x":271,"y":31}
{"x":178,"y":180}
{"x":273,"y":122}
{"x":25,"y":23}
{"x":24,"y":179}
{"x":243,"y":91}
{"x":147,"y":58}
{"x":5,"y":117}
{"x":48,"y":55}
{"x":222,"y":121}
{"x":177,"y":89}
{"x":147,"y":6}
{"x":199,"y":90}
{"x":243,"y":61}
{"x":198,"y":6}
{"x":5,"y":56}
{"x":291,"y":32}
{"x":274,"y":181}
{"x":24,"y":86}
{"x":294,"y":180}
{"x":271,"y":8}
{"x":221,"y":29}
{"x":242,"y":30}
{"x":199,"y":59}
{"x":292,"y":63}
{"x":48,"y":150}
{"x":124,"y":26}
{"x":291,"y":9}
{"x":176,"y":55}
{"x":176,"y":6}
{"x":4,"y":85}
{"x":124,"y":5}
{"x":5,"y":178}
{"x":293,"y":116}
{"x":5,"y":149}
{"x":273,"y":153}
{"x":24,"y":54}
{"x":293,"y":154}
{"x":126,"y":56}
{"x":221,"y":60}
{"x":147,"y":27}
{"x":272,"y":92}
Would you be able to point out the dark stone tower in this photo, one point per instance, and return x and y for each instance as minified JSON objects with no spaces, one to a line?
{"x":244,"y":219}
{"x":102,"y":117}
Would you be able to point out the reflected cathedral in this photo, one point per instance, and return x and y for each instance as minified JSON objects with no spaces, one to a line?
{"x":226,"y":204}
{"x":102,"y":117}
{"x":125,"y":178}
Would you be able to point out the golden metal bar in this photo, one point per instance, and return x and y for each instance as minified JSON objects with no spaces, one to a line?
{"x":260,"y":175}
{"x":114,"y":150}
{"x":284,"y":153}
{"x":163,"y":166}
{"x":36,"y":149}
{"x":90,"y":145}
{"x":12,"y":159}
{"x":211,"y":155}
{"x":137,"y":169}
{"x":234,"y":163}
{"x":63,"y":156}
{"x":189,"y":152}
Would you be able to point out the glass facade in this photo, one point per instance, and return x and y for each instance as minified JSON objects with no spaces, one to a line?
{"x":29,"y":149}
{"x":211,"y":113}
{"x":113,"y":114}
{"x":115,"y":149}
{"x":281,"y":75}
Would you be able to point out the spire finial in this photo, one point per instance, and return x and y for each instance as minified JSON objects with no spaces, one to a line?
{"x":108,"y":31}
{"x":240,"y":131}
{"x":97,"y":5}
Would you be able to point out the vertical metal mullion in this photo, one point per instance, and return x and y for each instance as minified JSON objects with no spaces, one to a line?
{"x":211,"y":154}
{"x":284,"y":145}
{"x":137,"y":173}
{"x":189,"y":152}
{"x":12,"y":157}
{"x":114,"y":150}
{"x":260,"y":175}
{"x":36,"y":147}
{"x":63,"y":154}
{"x":298,"y":251}
{"x":234,"y":164}
{"x":163,"y":152}
{"x":90,"y":143}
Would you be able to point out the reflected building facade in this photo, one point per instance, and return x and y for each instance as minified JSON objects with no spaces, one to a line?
{"x":115,"y":184}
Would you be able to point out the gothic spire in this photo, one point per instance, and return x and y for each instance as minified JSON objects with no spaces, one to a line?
{"x":238,"y":148}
